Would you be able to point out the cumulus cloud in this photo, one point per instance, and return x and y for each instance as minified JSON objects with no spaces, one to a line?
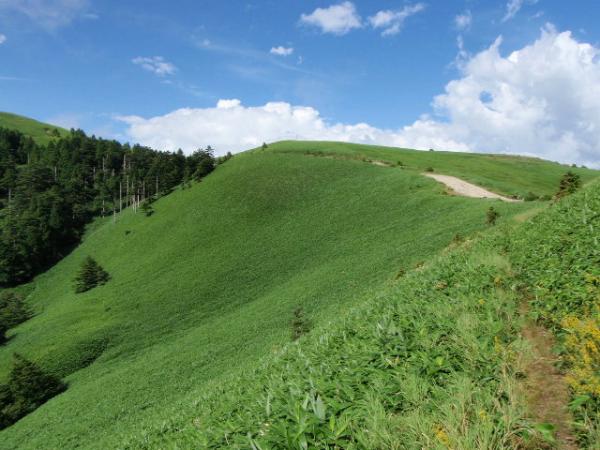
{"x":514,"y":6}
{"x":463,"y":21}
{"x":282,"y":51}
{"x":49,"y":14}
{"x":392,"y":21}
{"x":2,"y":38}
{"x":155,"y":64}
{"x":543,"y":100}
{"x":336,"y":19}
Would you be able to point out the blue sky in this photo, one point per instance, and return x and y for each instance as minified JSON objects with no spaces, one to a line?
{"x":111,"y":66}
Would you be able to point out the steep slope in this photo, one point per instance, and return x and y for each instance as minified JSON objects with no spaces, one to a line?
{"x":41,"y":132}
{"x":207,"y":285}
{"x":441,"y":360}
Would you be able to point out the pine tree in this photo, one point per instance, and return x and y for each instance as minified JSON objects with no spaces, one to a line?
{"x":28,"y":387}
{"x":90,"y":275}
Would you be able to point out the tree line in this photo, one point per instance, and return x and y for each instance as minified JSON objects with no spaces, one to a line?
{"x":48,"y":193}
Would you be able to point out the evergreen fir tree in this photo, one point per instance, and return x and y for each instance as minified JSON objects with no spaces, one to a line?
{"x":28,"y":387}
{"x":90,"y":275}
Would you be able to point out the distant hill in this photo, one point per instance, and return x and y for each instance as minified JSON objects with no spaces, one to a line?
{"x":207,"y":285}
{"x":41,"y":132}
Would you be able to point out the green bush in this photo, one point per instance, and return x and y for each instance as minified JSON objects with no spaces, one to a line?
{"x":569,"y":183}
{"x":491,"y":216}
{"x":530,"y":197}
{"x":90,"y":275}
{"x":147,"y":208}
{"x":300,"y":325}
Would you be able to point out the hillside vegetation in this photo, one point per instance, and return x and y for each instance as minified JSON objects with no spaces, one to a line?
{"x":41,"y":133}
{"x":504,"y":174}
{"x":207,"y":285}
{"x":434,"y":362}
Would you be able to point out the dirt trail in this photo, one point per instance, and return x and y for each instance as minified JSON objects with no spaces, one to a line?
{"x":545,"y":388}
{"x":466,"y":189}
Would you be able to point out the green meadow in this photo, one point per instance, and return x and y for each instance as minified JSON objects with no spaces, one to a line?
{"x":189,"y":343}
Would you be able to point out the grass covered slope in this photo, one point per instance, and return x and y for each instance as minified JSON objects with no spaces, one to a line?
{"x":436,"y":361}
{"x":503,"y":174}
{"x":206,"y":286}
{"x":41,"y":132}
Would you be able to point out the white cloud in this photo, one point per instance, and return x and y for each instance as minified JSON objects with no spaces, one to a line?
{"x":282,"y":51}
{"x":2,"y":38}
{"x":155,"y":64}
{"x":514,"y":6}
{"x":337,"y":19}
{"x":49,"y":14}
{"x":542,"y":100}
{"x":392,"y":21}
{"x":463,"y":21}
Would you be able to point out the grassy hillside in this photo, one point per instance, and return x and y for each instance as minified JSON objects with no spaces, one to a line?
{"x":504,"y":174}
{"x":41,"y":132}
{"x":437,"y":361}
{"x":206,"y":287}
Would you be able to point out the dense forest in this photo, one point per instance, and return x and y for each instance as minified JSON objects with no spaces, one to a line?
{"x":48,"y":193}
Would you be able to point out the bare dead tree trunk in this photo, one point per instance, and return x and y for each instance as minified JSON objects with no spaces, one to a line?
{"x":120,"y":196}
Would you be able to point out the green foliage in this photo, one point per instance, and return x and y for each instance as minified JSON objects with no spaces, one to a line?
{"x":27,"y":389}
{"x":491,"y":216}
{"x":48,"y":193}
{"x":530,"y":197}
{"x":419,"y":365}
{"x":90,"y":275}
{"x":147,"y":208}
{"x":557,"y":257}
{"x":569,"y":183}
{"x":12,"y":312}
{"x":429,"y":169}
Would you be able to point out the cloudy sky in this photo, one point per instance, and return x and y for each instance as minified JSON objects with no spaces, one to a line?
{"x":510,"y":76}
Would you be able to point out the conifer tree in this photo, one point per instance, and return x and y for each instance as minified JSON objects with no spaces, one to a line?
{"x":28,"y":387}
{"x":90,"y":275}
